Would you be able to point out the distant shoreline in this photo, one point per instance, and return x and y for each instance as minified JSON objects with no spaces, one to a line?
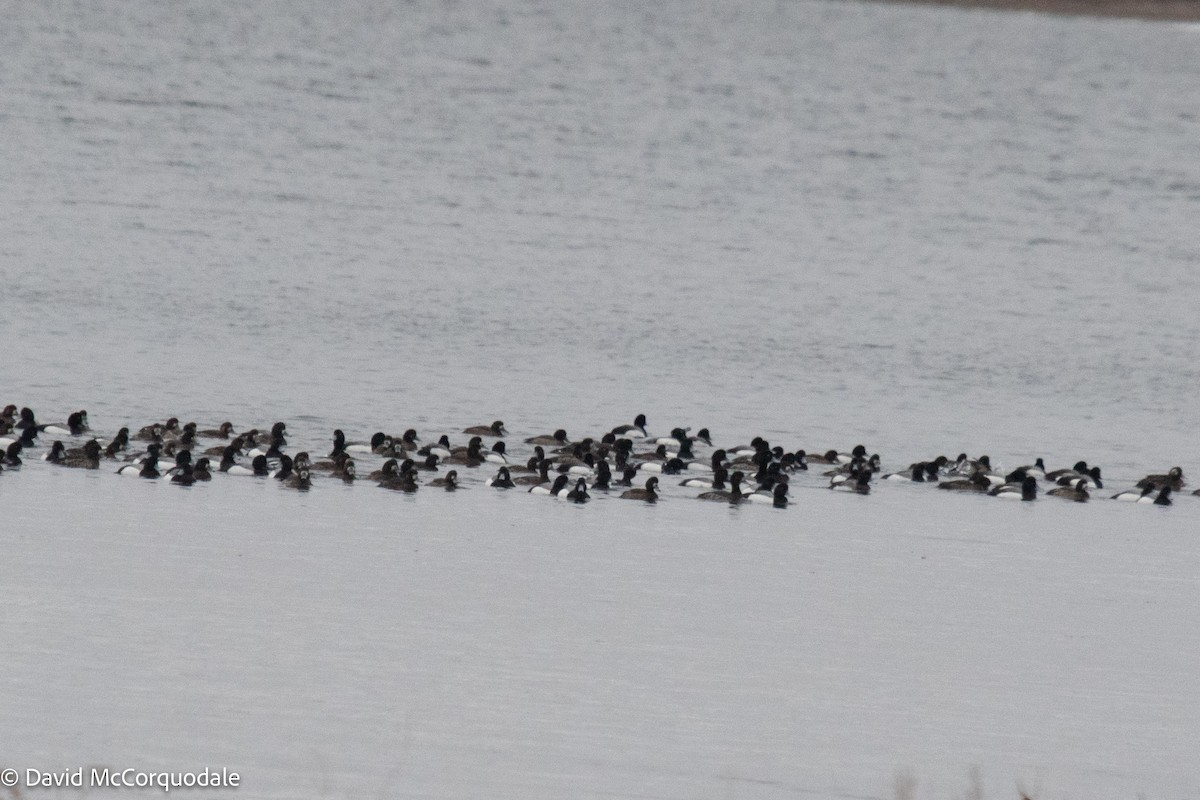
{"x":1168,"y":10}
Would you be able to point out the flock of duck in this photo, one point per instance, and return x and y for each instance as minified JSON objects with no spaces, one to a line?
{"x":626,"y":459}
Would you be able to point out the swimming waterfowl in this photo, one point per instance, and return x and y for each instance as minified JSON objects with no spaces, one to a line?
{"x":659,"y":454}
{"x":390,"y":469}
{"x":12,"y":453}
{"x":300,"y":479}
{"x":559,"y":485}
{"x":472,"y":456}
{"x":57,"y":453}
{"x":715,"y":481}
{"x":715,"y":462}
{"x":497,"y":454}
{"x":201,"y":470}
{"x":558,"y":438}
{"x":402,"y":481}
{"x":146,"y":468}
{"x":1077,"y":493}
{"x":733,"y":495}
{"x":1163,"y":498}
{"x":495,"y":429}
{"x":440,"y":448}
{"x":915,"y":474}
{"x":603,"y":479}
{"x":27,"y":438}
{"x":76,"y":426}
{"x":1027,"y":489}
{"x":585,"y":466}
{"x":87,"y":457}
{"x":1173,"y":478}
{"x":777,"y":496}
{"x":638,"y":428}
{"x":860,"y":485}
{"x":183,"y":476}
{"x":978,"y":482}
{"x":502,"y":480}
{"x":1090,"y":479}
{"x":449,"y":482}
{"x":828,"y":457}
{"x":672,"y":466}
{"x":223,"y":431}
{"x":285,"y":468}
{"x":580,"y":493}
{"x":259,"y":468}
{"x":648,"y":494}
{"x":428,"y":464}
{"x":1080,"y":468}
{"x":542,"y":476}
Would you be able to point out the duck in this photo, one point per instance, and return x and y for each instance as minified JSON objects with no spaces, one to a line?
{"x":542,"y":476}
{"x":1163,"y":498}
{"x":978,"y":482}
{"x":1080,"y":468}
{"x":1173,"y":478}
{"x":497,"y":454}
{"x":637,"y":429}
{"x":1090,"y":479}
{"x":580,"y":493}
{"x":258,"y":468}
{"x":77,"y":425}
{"x":27,"y":420}
{"x":502,"y":480}
{"x":649,"y":494}
{"x":495,"y":429}
{"x":1037,"y":469}
{"x":672,"y":466}
{"x":300,"y":479}
{"x":715,"y":462}
{"x":558,"y":438}
{"x":585,"y":466}
{"x":1027,"y":489}
{"x":440,"y":448}
{"x":659,"y":454}
{"x":860,"y":485}
{"x":27,"y":438}
{"x":733,"y":495}
{"x":146,"y":468}
{"x":603,"y":479}
{"x":222,"y":431}
{"x":12,"y":453}
{"x":183,"y":476}
{"x":777,"y":496}
{"x":390,"y":469}
{"x":402,"y":481}
{"x":915,"y":474}
{"x":716,"y":481}
{"x":828,"y":457}
{"x":472,"y":456}
{"x":559,"y":486}
{"x":449,"y":482}
{"x":57,"y":454}
{"x":429,"y":464}
{"x":285,"y":468}
{"x":408,"y":441}
{"x":201,"y":470}
{"x":1077,"y":493}
{"x":182,"y":459}
{"x":87,"y":458}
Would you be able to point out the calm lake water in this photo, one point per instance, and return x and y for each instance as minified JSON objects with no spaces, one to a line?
{"x":925,"y":229}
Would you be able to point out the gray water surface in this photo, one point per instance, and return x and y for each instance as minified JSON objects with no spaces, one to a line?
{"x":926,"y":229}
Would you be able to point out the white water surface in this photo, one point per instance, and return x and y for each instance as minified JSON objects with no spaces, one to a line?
{"x":925,"y":229}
